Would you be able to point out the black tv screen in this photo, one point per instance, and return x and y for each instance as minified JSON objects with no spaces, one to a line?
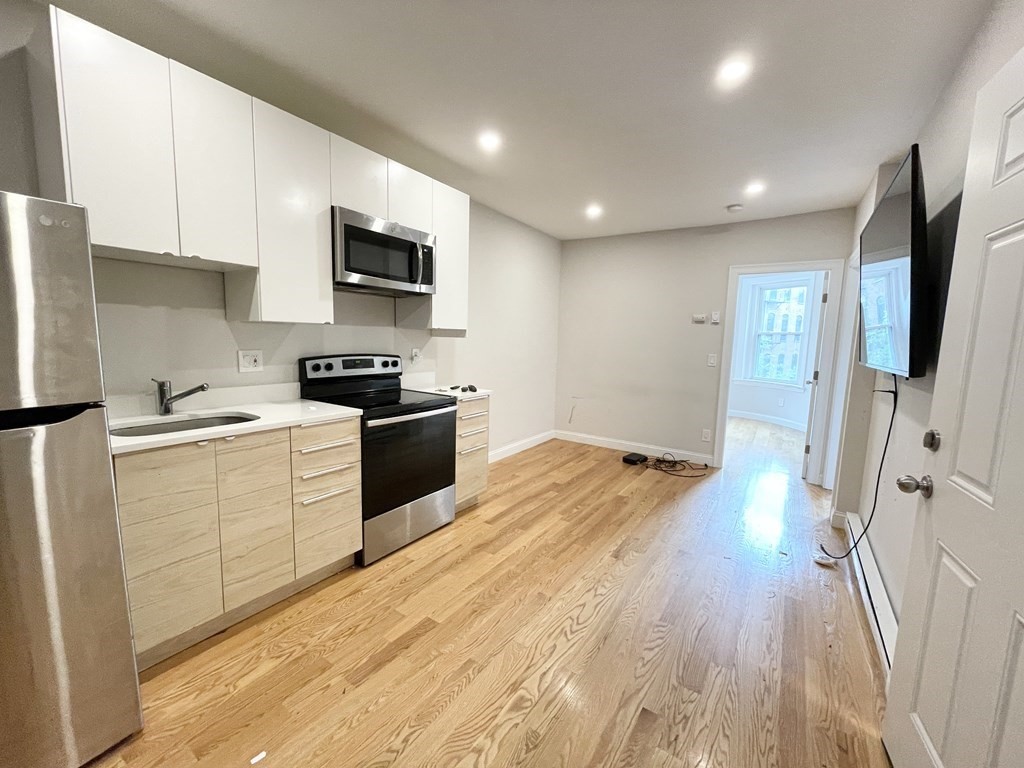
{"x":894,"y":277}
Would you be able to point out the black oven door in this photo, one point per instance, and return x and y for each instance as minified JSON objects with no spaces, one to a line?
{"x":406,"y":458}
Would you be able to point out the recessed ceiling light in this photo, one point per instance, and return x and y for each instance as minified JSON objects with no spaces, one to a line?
{"x":734,"y":208}
{"x":754,"y":188}
{"x":490,"y":141}
{"x":594,"y":211}
{"x":733,"y":72}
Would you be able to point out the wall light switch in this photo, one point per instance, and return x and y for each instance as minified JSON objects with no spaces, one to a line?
{"x":712,"y":360}
{"x":705,"y":435}
{"x":716,"y":318}
{"x":250,"y":360}
{"x":700,"y":319}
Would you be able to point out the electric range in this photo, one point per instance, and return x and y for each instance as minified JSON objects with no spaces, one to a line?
{"x":408,"y":446}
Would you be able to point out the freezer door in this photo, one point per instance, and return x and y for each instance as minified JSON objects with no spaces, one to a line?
{"x":68,"y":681}
{"x":49,"y":345}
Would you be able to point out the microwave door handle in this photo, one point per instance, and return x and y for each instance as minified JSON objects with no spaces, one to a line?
{"x":419,"y":263}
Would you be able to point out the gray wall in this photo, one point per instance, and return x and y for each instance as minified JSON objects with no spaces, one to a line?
{"x":630,"y":360}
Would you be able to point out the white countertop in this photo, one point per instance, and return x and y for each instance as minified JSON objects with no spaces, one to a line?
{"x":272,"y":415}
{"x":456,"y":392}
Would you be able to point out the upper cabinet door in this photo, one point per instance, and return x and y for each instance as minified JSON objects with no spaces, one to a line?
{"x":117,"y":126}
{"x":450,"y":305}
{"x":410,"y":197}
{"x":216,"y":171}
{"x":359,"y":178}
{"x":293,"y":204}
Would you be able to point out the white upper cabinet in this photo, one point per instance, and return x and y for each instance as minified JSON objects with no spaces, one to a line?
{"x":118,"y":138}
{"x":216,"y":172}
{"x":359,"y":178}
{"x":293,"y":204}
{"x":450,"y":305}
{"x":410,"y":197}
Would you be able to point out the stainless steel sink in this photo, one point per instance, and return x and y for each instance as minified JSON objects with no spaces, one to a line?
{"x":183,"y":424}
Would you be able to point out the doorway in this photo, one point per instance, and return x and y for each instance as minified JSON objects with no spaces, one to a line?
{"x":777,"y":360}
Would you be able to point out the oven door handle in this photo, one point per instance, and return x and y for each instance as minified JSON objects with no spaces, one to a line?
{"x":410,"y":417}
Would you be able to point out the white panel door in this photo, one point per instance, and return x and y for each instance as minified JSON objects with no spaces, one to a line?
{"x":359,"y":178}
{"x":956,"y":695}
{"x":293,"y":205}
{"x":410,"y":197}
{"x":450,"y":305}
{"x":216,"y":170}
{"x":117,"y":124}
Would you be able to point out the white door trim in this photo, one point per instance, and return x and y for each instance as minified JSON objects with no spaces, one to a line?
{"x":829,"y":328}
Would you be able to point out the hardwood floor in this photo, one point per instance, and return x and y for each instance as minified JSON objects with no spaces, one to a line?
{"x":586,"y":613}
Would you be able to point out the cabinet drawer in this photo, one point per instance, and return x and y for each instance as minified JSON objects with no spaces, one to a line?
{"x":309,"y":435}
{"x":325,"y":456}
{"x":155,"y":543}
{"x":473,"y":406}
{"x":327,"y":528}
{"x":470,"y":473}
{"x":315,"y":482}
{"x":249,"y":463}
{"x":470,"y":437}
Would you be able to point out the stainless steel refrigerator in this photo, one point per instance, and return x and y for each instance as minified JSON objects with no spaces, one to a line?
{"x":68,"y":681}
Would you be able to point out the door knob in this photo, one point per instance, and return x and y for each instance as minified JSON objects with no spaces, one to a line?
{"x":910,"y":484}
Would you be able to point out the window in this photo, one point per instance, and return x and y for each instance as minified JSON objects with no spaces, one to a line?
{"x":778,"y":321}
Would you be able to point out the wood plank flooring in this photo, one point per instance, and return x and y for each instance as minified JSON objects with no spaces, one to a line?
{"x":586,"y":613}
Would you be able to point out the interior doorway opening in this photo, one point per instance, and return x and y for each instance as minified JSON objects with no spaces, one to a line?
{"x":777,"y":361}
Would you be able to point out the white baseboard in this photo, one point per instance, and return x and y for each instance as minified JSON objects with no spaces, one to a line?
{"x":838,"y":519}
{"x":881,"y":616}
{"x":629,"y":447}
{"x":770,"y":419}
{"x":520,"y":445}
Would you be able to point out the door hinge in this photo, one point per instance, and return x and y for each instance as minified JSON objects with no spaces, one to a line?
{"x":816,"y":375}
{"x":807,"y":449}
{"x":824,"y":298}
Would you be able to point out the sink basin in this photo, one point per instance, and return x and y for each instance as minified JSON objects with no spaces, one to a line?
{"x":172,"y":424}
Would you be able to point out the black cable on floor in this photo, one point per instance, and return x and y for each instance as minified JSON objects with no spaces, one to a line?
{"x":670,"y":465}
{"x":878,"y":480}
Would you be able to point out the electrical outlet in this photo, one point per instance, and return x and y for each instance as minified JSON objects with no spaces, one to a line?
{"x":250,"y":360}
{"x":782,"y":402}
{"x":699,"y":318}
{"x":417,"y":353}
{"x":712,"y":360}
{"x":705,"y":435}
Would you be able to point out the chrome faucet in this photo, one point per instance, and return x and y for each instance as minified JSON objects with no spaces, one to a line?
{"x":165,"y":400}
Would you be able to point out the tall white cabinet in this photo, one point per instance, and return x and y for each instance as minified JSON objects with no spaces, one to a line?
{"x":449,"y":308}
{"x":410,"y":197}
{"x":119,"y":144}
{"x":359,"y":178}
{"x":216,"y":169}
{"x":293,"y":219}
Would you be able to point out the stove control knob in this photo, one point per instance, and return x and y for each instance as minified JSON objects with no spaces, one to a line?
{"x":385,"y":363}
{"x":328,"y":366}
{"x":315,"y":367}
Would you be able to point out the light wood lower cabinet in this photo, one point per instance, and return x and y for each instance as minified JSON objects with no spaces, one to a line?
{"x":170,"y":533}
{"x":254,"y":482}
{"x":472,"y":427}
{"x":213,"y":526}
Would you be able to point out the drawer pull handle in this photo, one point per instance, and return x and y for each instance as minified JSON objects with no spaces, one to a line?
{"x":473,"y":415}
{"x":327,"y":446}
{"x":473,"y":432}
{"x":229,"y":439}
{"x":329,"y":470}
{"x":329,"y":495}
{"x":203,"y":442}
{"x":471,"y":399}
{"x":324,"y":423}
{"x":470,"y":450}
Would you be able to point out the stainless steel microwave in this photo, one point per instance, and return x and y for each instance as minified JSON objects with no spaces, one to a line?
{"x":379,"y":256}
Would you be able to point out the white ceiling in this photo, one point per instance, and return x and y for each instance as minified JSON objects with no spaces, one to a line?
{"x":613,"y":101}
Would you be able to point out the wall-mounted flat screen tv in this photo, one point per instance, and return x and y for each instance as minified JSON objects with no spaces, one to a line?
{"x":894,"y":332}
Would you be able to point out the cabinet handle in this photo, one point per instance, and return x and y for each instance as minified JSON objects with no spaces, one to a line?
{"x":327,"y":446}
{"x":331,"y":421}
{"x":328,"y":495}
{"x":329,"y":470}
{"x":203,"y":442}
{"x":473,"y":432}
{"x":473,"y":415}
{"x":229,"y":439}
{"x":471,"y":399}
{"x":470,"y":450}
